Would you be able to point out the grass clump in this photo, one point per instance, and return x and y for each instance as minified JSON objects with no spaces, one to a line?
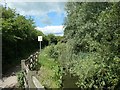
{"x":50,"y":72}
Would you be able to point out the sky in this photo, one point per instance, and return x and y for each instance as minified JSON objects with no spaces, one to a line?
{"x":48,"y":16}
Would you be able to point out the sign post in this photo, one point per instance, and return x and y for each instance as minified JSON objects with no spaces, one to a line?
{"x":40,"y":39}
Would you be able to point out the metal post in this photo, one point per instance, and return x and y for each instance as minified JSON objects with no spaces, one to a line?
{"x":40,"y":46}
{"x":40,"y":39}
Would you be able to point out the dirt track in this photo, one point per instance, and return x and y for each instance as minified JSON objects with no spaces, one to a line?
{"x":9,"y":82}
{"x":10,"y":78}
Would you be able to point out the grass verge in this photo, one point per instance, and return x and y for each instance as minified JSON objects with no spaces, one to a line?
{"x":50,"y":71}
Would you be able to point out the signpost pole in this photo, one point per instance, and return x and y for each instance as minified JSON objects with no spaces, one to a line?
{"x":40,"y":46}
{"x":40,"y":39}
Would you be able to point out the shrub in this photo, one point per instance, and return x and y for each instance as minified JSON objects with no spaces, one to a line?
{"x":50,"y":70}
{"x":93,"y":72}
{"x":20,"y":79}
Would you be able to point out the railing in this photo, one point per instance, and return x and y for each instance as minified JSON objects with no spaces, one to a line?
{"x":29,"y":70}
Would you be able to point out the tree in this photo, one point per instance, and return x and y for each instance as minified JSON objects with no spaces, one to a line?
{"x":52,"y":39}
{"x":92,"y":32}
{"x":19,"y":37}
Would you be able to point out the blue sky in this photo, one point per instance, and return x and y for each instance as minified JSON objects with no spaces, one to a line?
{"x":53,"y":19}
{"x":48,"y":16}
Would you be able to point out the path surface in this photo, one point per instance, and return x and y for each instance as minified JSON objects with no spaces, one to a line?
{"x":10,"y":78}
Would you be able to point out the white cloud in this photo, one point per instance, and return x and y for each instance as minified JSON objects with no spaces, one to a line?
{"x":56,"y":30}
{"x":41,"y":11}
{"x":37,"y":8}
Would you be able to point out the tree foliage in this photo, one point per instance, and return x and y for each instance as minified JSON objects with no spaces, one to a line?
{"x":92,"y":33}
{"x":19,"y":37}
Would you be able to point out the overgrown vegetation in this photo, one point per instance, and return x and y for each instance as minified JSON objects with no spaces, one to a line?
{"x":89,"y":50}
{"x":92,"y":33}
{"x":20,"y":77}
{"x":90,"y":47}
{"x":50,"y":73}
{"x":20,"y":38}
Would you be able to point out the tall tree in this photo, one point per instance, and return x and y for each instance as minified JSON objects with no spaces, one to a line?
{"x":19,"y":37}
{"x":92,"y":33}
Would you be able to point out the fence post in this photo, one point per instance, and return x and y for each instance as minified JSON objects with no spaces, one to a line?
{"x":30,"y":80}
{"x":22,"y":64}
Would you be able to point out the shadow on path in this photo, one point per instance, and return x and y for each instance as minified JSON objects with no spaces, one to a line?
{"x":12,"y":71}
{"x":10,"y":77}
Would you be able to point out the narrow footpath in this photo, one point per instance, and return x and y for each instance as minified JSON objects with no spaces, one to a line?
{"x":10,"y":78}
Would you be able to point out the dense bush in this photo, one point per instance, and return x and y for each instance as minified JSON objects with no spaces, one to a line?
{"x":50,"y":73}
{"x":93,"y":71}
{"x":92,"y":48}
{"x":19,"y":38}
{"x":20,"y":78}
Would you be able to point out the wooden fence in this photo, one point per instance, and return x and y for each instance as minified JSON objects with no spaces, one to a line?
{"x":29,"y":70}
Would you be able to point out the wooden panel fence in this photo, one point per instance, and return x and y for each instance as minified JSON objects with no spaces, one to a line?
{"x":29,"y":69}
